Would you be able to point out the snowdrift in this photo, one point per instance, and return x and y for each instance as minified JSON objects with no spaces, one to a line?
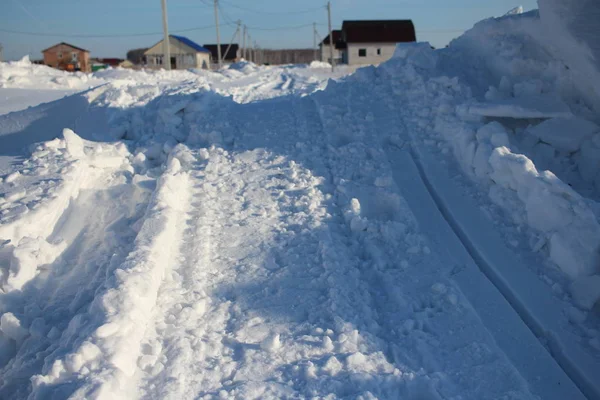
{"x":24,"y":74}
{"x":530,"y":130}
{"x":570,"y":33}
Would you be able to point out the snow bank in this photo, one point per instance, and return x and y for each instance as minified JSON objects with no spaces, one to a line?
{"x":545,"y":119}
{"x":552,"y":208}
{"x":37,"y":194}
{"x":243,"y":66}
{"x":106,"y":362}
{"x":570,"y":32}
{"x":567,"y":224}
{"x":24,"y":74}
{"x":319,"y":64}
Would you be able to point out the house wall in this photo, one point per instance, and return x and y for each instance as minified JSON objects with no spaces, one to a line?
{"x":203,"y":60}
{"x":324,"y":53}
{"x":185,"y":56}
{"x":387,"y":51}
{"x":60,"y":56}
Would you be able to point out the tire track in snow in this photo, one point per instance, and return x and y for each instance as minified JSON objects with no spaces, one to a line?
{"x":91,"y":224}
{"x":413,"y":317}
{"x":206,"y":332}
{"x":99,"y":360}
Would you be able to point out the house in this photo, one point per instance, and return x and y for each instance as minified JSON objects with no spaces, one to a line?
{"x":136,"y":56}
{"x":110,"y":62}
{"x":185,"y":54}
{"x":373,"y":42}
{"x":338,"y":46}
{"x":67,"y":57}
{"x":233,"y":55}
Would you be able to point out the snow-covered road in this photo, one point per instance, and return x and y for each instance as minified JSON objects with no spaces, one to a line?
{"x":271,"y":233}
{"x":273,"y":266}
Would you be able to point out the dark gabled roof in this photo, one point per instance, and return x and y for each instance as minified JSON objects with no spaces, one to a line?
{"x":384,"y":31}
{"x":337,"y":36}
{"x":190,"y":43}
{"x":66,"y":44}
{"x":230,"y":56}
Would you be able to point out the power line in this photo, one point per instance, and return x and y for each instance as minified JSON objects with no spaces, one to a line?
{"x":226,"y":16}
{"x":281,"y":28}
{"x":83,"y":35}
{"x":305,"y":11}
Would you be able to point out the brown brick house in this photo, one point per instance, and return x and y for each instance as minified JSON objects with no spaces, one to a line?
{"x":67,"y":57}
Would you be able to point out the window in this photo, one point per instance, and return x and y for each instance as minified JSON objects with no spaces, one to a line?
{"x":378,"y":52}
{"x":362,"y":52}
{"x":73,"y":56}
{"x":59,"y":55}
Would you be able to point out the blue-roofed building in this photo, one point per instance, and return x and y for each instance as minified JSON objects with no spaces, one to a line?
{"x":185,"y":54}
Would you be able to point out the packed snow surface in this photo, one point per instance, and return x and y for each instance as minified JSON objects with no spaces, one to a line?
{"x":428,"y":228}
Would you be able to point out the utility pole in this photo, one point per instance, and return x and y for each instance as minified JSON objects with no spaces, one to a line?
{"x":330,"y":37}
{"x":218,"y":35}
{"x":244,"y":55}
{"x":315,"y":40}
{"x":250,"y":49}
{"x":166,"y":44}
{"x":237,"y":31}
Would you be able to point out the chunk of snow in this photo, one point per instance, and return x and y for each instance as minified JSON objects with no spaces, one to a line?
{"x":586,"y":291}
{"x":271,"y":343}
{"x":589,"y":163}
{"x":523,"y":108}
{"x":319,"y":64}
{"x":75,"y":144}
{"x":12,"y":177}
{"x":564,"y":134}
{"x":27,"y":258}
{"x":11,"y":327}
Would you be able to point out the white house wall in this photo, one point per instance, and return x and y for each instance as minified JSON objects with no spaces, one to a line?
{"x":202,"y":60}
{"x":387,"y":51}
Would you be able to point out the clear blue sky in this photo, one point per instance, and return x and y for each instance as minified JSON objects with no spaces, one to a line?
{"x":436,"y":21}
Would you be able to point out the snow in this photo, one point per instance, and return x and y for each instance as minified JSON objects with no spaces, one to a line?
{"x":428,"y":228}
{"x":515,"y":11}
{"x":19,"y":99}
{"x":522,"y":107}
{"x":569,"y":32}
{"x":320,"y":64}
{"x":565,"y":134}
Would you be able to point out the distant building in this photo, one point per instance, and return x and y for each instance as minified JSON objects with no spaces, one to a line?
{"x":185,"y":54}
{"x":136,"y":56}
{"x":67,"y":57}
{"x":373,"y":42}
{"x":338,"y":46}
{"x":285,"y":56}
{"x":111,"y":62}
{"x":103,"y":63}
{"x":233,"y":55}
